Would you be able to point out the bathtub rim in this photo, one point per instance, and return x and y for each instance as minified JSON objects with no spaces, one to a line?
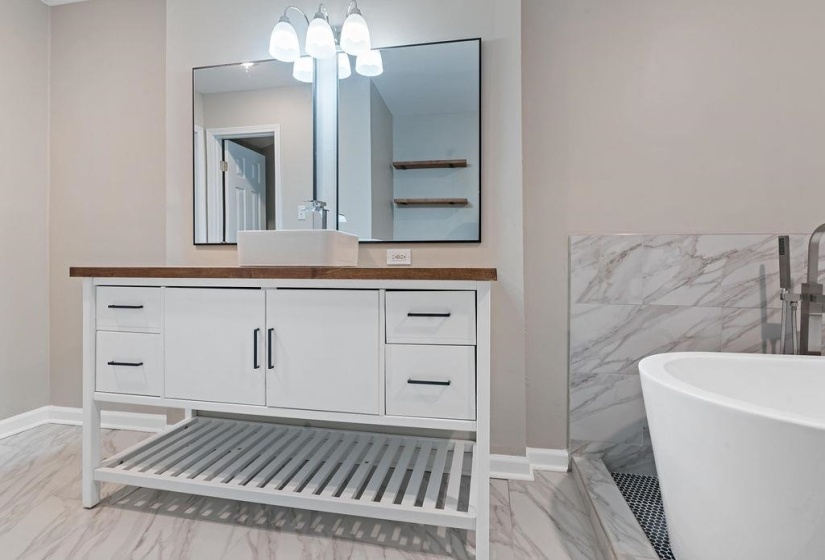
{"x":652,"y":369}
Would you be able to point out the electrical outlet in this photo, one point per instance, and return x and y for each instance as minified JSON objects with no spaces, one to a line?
{"x":302,"y":212}
{"x":399,"y":257}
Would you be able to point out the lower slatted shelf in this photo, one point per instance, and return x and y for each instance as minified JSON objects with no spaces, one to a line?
{"x":401,"y":478}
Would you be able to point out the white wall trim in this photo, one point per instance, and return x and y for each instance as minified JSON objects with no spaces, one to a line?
{"x":516,"y":467}
{"x":60,"y":2}
{"x":112,"y":420}
{"x":510,"y":467}
{"x":557,"y":460}
{"x":23,"y":422}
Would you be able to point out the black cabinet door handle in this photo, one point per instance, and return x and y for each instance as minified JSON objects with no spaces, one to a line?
{"x":422,"y":382}
{"x":269,"y":349}
{"x":255,"y":349}
{"x":429,"y":314}
{"x":125,"y":307}
{"x":125,"y":364}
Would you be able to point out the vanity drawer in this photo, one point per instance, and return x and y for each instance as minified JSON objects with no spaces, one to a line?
{"x":424,"y":317}
{"x":129,"y":363}
{"x":431,"y":381}
{"x":129,"y":308}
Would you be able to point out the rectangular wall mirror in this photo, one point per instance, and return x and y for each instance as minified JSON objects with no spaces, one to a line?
{"x":409,"y":156}
{"x":253,"y":149}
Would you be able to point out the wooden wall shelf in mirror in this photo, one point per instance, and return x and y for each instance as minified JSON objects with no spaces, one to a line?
{"x":431,"y":201}
{"x":431,"y":164}
{"x":409,"y":165}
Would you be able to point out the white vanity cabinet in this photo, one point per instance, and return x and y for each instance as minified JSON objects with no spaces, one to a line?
{"x":214,"y":340}
{"x":324,"y":351}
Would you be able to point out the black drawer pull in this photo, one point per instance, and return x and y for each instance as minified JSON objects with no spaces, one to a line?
{"x":255,"y":349}
{"x":126,"y":364}
{"x":125,"y":307}
{"x":429,"y":314}
{"x":421,"y":382}
{"x":269,"y":349}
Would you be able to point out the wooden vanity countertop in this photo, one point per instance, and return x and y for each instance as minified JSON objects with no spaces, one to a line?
{"x":288,"y":272}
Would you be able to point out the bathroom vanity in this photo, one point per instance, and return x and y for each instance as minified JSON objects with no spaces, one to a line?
{"x":357,"y":391}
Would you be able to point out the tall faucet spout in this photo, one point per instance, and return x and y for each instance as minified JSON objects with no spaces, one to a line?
{"x":813,"y":254}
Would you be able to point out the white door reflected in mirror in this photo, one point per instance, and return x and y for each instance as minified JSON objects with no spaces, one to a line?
{"x":253,"y":149}
{"x":245,"y":181}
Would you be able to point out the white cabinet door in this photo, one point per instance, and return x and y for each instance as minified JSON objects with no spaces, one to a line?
{"x":324,"y":350}
{"x":215,"y":345}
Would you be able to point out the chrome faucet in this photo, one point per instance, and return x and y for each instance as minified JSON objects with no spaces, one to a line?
{"x":810,"y":329}
{"x":810,"y":299}
{"x":318,"y":208}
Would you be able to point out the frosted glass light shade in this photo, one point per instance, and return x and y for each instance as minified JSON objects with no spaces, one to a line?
{"x":320,"y":41}
{"x":344,"y":68}
{"x":304,"y":69}
{"x":370,"y":64}
{"x":283,"y":44}
{"x":355,"y":35}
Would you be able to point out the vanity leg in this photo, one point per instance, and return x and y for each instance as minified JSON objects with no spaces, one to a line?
{"x":91,"y":408}
{"x":91,"y":453}
{"x":483,"y":367}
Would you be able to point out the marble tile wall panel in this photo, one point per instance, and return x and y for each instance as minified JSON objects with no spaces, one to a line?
{"x":606,"y":269}
{"x":614,"y":338}
{"x":632,"y":296}
{"x":685,"y":270}
{"x":607,"y":407}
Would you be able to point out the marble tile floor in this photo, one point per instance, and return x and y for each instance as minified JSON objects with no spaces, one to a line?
{"x":41,"y":518}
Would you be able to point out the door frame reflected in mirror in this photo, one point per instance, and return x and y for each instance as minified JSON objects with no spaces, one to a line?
{"x":198,"y":205}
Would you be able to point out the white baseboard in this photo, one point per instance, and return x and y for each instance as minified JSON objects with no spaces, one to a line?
{"x":23,"y":422}
{"x":548,"y":459}
{"x":510,"y":467}
{"x":110,"y":419}
{"x":516,"y":467}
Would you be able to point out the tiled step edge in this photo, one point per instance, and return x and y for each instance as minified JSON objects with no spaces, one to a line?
{"x":618,"y":533}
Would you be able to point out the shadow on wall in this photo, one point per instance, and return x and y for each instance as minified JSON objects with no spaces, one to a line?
{"x":632,"y":296}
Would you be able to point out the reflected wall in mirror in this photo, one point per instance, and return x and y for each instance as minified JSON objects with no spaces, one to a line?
{"x":410,"y":146}
{"x":253,"y":149}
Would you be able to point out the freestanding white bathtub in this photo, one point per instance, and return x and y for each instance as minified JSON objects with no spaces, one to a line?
{"x":739,"y":442}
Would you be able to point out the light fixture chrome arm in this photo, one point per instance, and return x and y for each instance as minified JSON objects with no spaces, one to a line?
{"x":297,"y":9}
{"x":322,"y":12}
{"x":353,"y":8}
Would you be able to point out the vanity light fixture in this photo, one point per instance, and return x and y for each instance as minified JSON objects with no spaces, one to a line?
{"x":320,"y":40}
{"x":283,"y":44}
{"x":304,"y":69}
{"x":370,"y":64}
{"x":321,"y":43}
{"x":355,"y":35}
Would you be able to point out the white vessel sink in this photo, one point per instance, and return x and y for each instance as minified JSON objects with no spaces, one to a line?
{"x":297,"y":247}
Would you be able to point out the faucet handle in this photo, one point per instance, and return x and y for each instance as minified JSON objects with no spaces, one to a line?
{"x":316,"y":204}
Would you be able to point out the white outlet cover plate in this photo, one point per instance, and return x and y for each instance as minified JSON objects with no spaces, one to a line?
{"x":399,"y":257}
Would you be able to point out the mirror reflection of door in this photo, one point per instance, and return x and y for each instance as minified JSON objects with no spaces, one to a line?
{"x":243,"y":113}
{"x":244,"y":189}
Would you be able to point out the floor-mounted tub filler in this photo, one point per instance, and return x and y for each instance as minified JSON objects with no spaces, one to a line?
{"x":739,"y":442}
